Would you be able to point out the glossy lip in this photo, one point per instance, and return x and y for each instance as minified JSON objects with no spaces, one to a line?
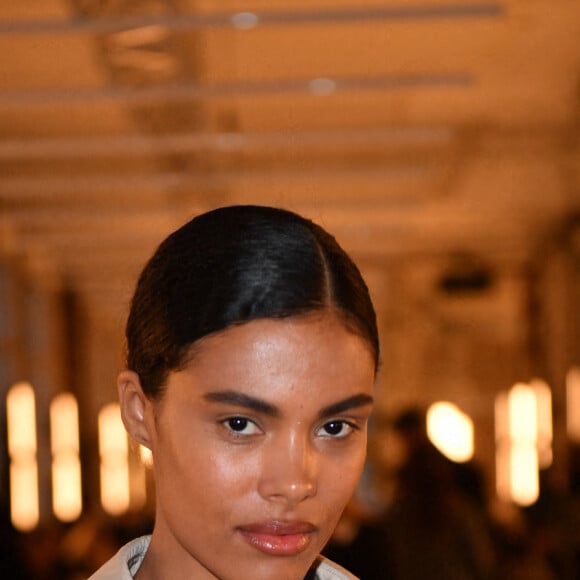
{"x":278,"y":538}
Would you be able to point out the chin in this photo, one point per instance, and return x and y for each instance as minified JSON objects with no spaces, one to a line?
{"x":283,"y":568}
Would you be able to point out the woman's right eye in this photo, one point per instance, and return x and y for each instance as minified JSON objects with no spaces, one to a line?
{"x":241,"y":426}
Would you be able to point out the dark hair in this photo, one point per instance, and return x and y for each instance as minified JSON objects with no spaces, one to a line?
{"x":232,"y":265}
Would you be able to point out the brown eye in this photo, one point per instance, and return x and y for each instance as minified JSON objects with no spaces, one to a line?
{"x":336,"y":429}
{"x":237,"y":423}
{"x":241,"y":426}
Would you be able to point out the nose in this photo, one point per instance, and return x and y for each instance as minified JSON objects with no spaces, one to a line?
{"x":289,"y":470}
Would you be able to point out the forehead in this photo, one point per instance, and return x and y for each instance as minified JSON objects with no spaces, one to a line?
{"x":307,"y":354}
{"x":269,"y":336}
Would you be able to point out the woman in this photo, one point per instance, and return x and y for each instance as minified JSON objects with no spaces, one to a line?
{"x":252,"y":352}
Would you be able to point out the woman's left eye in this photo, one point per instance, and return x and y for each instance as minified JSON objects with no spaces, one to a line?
{"x":336,"y":429}
{"x":241,"y":426}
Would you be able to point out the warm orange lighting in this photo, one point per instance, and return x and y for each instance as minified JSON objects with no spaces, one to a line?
{"x":145,"y":456}
{"x":66,"y":467}
{"x":245,"y":20}
{"x":451,"y":431}
{"x":524,"y":477}
{"x":113,"y":449}
{"x":503,"y":448}
{"x":21,"y":424}
{"x":522,"y":413}
{"x":544,"y":422}
{"x":64,"y":423}
{"x":523,"y":429}
{"x":24,"y":495}
{"x":21,"y":408}
{"x":501,"y":417}
{"x":138,"y":475}
{"x":573,"y":404}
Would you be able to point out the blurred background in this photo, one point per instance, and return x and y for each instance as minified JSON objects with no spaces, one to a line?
{"x":439,"y":142}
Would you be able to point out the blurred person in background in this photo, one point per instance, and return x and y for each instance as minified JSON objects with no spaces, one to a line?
{"x":435,"y":526}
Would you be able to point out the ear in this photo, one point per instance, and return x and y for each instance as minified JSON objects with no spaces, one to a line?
{"x":136,"y":410}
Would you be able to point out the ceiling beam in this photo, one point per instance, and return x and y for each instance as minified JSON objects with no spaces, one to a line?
{"x":187,"y":91}
{"x":249,"y":20}
{"x":128,"y":145}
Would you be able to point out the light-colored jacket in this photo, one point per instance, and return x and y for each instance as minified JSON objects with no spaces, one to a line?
{"x":124,"y":565}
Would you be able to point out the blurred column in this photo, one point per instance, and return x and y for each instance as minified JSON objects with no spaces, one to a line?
{"x":102,"y":352}
{"x":12,"y":355}
{"x":45,"y":346}
{"x":32,"y":345}
{"x":557,"y":332}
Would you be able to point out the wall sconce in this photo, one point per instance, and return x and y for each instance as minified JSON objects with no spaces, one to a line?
{"x":66,"y":467}
{"x":113,"y":451}
{"x":451,"y":431}
{"x":21,"y":423}
{"x":523,"y":418}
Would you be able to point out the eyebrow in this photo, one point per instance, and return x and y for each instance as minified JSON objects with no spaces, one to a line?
{"x":242,"y":400}
{"x":341,"y":406}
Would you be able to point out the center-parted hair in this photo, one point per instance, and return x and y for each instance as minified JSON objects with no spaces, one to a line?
{"x":233,"y":265}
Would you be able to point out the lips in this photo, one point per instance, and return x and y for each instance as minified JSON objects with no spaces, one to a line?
{"x":278,"y":538}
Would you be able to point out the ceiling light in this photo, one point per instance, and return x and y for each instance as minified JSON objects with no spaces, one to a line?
{"x":244,"y":20}
{"x":322,"y":86}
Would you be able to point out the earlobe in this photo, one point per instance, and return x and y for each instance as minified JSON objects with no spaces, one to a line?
{"x":134,"y":407}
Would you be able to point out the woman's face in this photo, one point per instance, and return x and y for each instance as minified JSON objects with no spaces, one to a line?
{"x":258,"y":445}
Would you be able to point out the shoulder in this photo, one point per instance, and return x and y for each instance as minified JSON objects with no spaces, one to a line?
{"x":127,"y":560}
{"x":325,"y":569}
{"x":125,"y":563}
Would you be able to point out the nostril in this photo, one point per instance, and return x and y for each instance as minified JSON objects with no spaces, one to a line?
{"x":289,"y":468}
{"x":292,"y":492}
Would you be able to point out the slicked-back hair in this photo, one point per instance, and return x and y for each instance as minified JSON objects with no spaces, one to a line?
{"x":233,"y":265}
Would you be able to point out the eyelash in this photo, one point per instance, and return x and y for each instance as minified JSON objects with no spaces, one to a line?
{"x":350,"y":428}
{"x":244,"y":423}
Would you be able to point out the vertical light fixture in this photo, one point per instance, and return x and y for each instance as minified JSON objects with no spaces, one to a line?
{"x":21,"y":423}
{"x":573,"y":404}
{"x":66,"y":467}
{"x":113,"y":450}
{"x":523,"y":418}
{"x":544,"y":421}
{"x":523,"y":430}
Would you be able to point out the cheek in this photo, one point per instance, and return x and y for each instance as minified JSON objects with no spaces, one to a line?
{"x":208,"y":466}
{"x":341,"y":477}
{"x":236,"y":470}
